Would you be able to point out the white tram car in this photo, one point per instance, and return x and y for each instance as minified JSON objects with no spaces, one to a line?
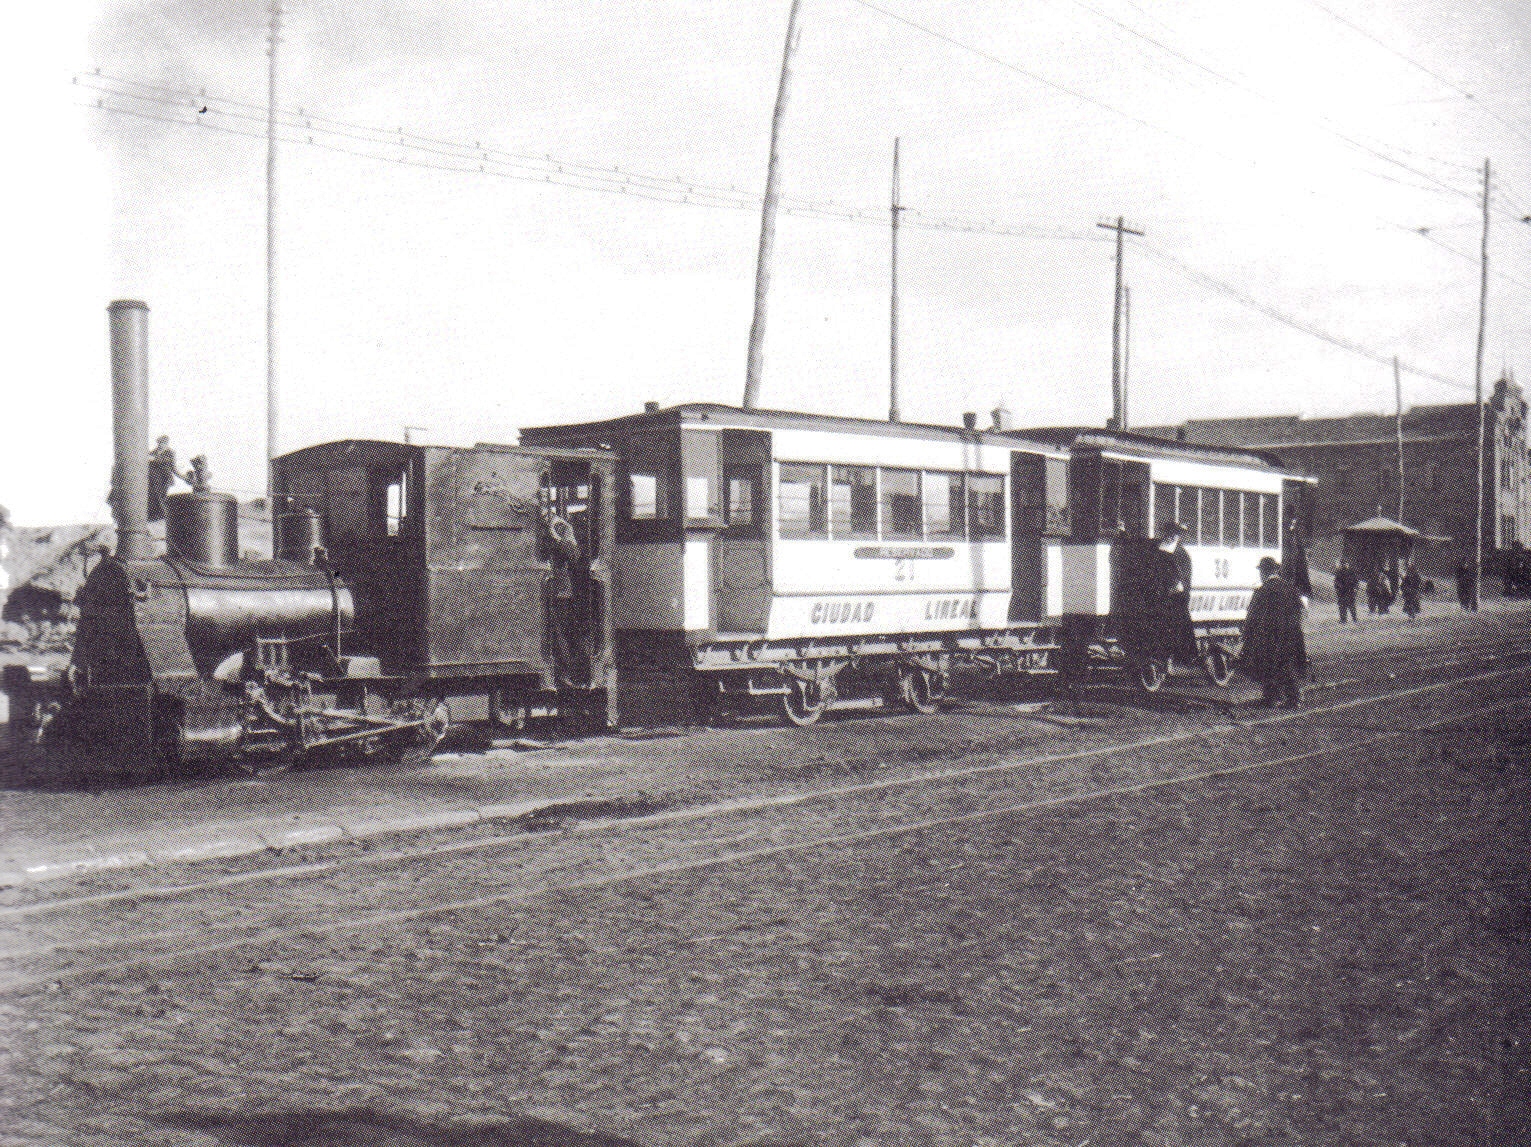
{"x":1235,"y":507}
{"x":801,"y":559}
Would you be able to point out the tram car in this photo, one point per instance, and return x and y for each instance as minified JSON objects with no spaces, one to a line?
{"x":1233,"y":508}
{"x":768,"y":558}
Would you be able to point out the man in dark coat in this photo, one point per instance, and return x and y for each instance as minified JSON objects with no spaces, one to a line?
{"x":1171,"y":581}
{"x":1410,"y":587}
{"x":162,"y":474}
{"x":1467,"y":586}
{"x":1275,"y":652}
{"x":1345,"y":583}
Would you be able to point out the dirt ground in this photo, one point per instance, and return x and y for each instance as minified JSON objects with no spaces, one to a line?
{"x":1332,"y":952}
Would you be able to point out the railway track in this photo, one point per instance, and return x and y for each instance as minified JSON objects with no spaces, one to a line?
{"x":235,"y":916}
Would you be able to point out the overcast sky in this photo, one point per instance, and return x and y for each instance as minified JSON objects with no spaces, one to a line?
{"x":1279,"y":154}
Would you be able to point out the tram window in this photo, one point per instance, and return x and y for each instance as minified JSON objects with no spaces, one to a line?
{"x":1164,"y":506}
{"x":1251,"y":518}
{"x":986,"y":506}
{"x":1186,"y":513}
{"x":647,"y":500}
{"x":1270,"y":521}
{"x":347,"y":516}
{"x":1211,"y":533}
{"x":853,"y":502}
{"x":901,"y":504}
{"x":801,"y":501}
{"x":1231,"y":525}
{"x":1110,"y":497}
{"x":396,"y":504}
{"x":741,"y":498}
{"x":944,"y":502}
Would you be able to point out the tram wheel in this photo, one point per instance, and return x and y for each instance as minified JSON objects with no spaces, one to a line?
{"x":919,"y":690}
{"x":1151,"y":674}
{"x":1219,"y":666}
{"x":803,"y":703}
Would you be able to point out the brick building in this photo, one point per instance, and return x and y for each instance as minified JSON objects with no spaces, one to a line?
{"x":1355,"y":460}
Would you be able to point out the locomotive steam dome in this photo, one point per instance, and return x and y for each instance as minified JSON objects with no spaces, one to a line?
{"x":203,"y":528}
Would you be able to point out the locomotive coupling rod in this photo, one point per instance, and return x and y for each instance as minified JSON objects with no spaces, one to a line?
{"x":362,"y":734}
{"x":384,"y":722}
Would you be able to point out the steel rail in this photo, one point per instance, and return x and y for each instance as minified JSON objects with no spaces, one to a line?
{"x":719,"y":808}
{"x":386,"y":918}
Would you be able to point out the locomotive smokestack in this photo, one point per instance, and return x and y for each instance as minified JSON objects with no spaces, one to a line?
{"x":130,"y":425}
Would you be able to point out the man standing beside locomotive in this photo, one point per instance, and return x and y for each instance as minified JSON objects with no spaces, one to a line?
{"x":1275,"y":651}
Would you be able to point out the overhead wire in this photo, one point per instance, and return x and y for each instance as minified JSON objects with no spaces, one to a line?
{"x":580,"y":176}
{"x":448,"y":156}
{"x":1431,"y":72}
{"x":1219,"y":286}
{"x":1240,"y":85}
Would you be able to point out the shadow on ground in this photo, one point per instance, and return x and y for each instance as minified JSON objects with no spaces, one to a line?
{"x":360,"y":1127}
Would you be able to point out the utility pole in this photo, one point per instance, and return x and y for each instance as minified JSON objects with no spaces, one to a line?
{"x":1478,"y":381}
{"x":1118,"y":399}
{"x":1126,"y":348}
{"x":893,"y":302}
{"x":768,"y":220}
{"x":1398,"y":426}
{"x":272,"y":394}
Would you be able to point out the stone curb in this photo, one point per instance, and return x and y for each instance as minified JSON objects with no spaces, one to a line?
{"x":244,"y":840}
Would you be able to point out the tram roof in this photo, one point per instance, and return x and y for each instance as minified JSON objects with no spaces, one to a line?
{"x":737,"y":417}
{"x":1126,"y":442}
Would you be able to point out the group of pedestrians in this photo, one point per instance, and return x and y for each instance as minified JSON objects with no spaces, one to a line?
{"x":1384,"y":586}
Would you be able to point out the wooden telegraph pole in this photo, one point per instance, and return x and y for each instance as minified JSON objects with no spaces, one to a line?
{"x":272,"y":393}
{"x":768,"y":220}
{"x":1478,"y":383}
{"x":1118,"y":398}
{"x":893,"y":300}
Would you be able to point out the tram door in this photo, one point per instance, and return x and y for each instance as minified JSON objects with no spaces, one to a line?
{"x":1028,"y":518}
{"x":741,"y":550}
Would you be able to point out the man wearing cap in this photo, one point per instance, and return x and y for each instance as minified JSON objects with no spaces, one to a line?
{"x":1275,"y":652}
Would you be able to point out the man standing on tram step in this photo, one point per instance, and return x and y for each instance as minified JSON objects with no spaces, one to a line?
{"x":1176,"y":636}
{"x":1345,"y":584}
{"x":566,"y":628}
{"x":1275,"y":652}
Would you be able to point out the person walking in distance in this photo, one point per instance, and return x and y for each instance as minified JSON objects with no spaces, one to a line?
{"x":1275,"y":651}
{"x":1410,"y":586}
{"x":1467,"y":587}
{"x":1345,"y":584}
